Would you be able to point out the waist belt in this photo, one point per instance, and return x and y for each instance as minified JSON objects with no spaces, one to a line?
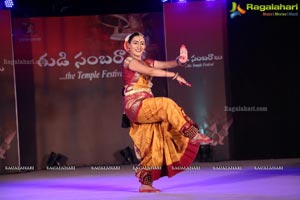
{"x":133,"y":91}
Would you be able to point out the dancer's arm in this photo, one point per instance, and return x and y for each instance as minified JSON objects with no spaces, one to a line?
{"x":139,"y":67}
{"x":181,"y":60}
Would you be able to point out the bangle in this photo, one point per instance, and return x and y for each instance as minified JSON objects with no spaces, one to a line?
{"x":175,"y":76}
{"x":180,"y":63}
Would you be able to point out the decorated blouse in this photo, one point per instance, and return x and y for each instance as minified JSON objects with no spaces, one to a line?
{"x":137,"y":87}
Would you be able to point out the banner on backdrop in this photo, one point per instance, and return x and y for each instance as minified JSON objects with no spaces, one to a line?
{"x":201,"y":26}
{"x":76,"y":62}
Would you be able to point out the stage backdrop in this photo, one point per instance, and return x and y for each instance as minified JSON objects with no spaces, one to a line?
{"x":201,"y":26}
{"x":8,"y":121}
{"x":76,"y":64}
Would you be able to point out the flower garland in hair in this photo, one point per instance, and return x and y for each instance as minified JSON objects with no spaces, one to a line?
{"x":126,"y":43}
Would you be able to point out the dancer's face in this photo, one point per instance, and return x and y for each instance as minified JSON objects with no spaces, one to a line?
{"x":137,"y":46}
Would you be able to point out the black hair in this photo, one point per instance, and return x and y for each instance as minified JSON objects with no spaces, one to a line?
{"x":133,"y":35}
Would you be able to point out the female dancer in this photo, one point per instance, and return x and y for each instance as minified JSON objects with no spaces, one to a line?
{"x":166,"y":140}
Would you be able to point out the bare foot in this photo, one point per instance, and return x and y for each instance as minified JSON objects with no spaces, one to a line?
{"x":148,"y":188}
{"x":218,"y":139}
{"x":201,"y":138}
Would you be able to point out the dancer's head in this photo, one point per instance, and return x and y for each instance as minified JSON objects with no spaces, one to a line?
{"x":135,"y":44}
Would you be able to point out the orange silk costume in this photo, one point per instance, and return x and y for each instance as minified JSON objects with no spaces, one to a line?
{"x":160,"y":129}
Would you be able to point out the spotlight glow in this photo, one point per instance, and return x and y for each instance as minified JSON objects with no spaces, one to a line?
{"x":9,"y":3}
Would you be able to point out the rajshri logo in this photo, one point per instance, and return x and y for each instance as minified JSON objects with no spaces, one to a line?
{"x":236,"y":10}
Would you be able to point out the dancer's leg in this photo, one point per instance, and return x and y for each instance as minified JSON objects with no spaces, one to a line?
{"x":146,"y":184}
{"x":165,"y":109}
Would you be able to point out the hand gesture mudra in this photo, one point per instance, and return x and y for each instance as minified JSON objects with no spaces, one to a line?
{"x":183,"y":56}
{"x":181,"y":81}
{"x":182,"y":60}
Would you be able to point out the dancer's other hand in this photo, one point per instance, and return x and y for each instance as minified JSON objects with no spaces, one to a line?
{"x":182,"y":81}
